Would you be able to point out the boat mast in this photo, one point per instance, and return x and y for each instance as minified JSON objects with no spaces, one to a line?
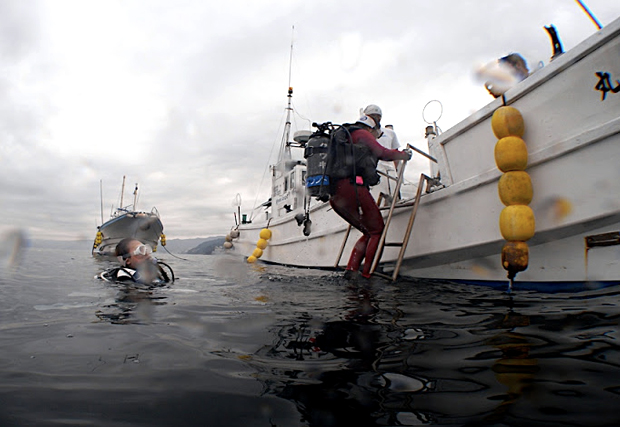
{"x":101,"y":197}
{"x":587,"y":11}
{"x":285,"y":150}
{"x":135,"y":198}
{"x":122,"y":192}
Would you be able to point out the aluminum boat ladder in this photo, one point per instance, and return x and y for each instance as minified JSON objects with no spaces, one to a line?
{"x":407,"y":235}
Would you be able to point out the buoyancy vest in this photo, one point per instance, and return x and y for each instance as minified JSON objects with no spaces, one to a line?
{"x":352,"y":160}
{"x":126,"y":274}
{"x":332,"y":156}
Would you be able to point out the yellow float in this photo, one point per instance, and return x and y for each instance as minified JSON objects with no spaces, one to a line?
{"x":507,"y":121}
{"x":517,"y":223}
{"x":515,"y":188}
{"x":265,"y":234}
{"x":261,"y":244}
{"x":511,"y":154}
{"x":515,"y":256}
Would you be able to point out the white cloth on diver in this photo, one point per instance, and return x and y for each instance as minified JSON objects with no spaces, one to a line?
{"x":388,"y":139}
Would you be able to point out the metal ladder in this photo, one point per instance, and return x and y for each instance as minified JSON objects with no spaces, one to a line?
{"x":403,"y":244}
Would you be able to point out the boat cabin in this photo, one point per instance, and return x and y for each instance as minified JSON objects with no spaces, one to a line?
{"x":289,"y":181}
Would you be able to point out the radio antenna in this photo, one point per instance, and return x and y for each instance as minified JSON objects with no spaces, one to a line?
{"x":587,"y":11}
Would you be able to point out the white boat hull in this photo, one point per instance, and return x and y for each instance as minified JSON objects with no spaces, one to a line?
{"x":143,"y":226}
{"x":572,"y":131}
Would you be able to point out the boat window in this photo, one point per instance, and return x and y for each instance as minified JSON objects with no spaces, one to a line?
{"x":285,"y":184}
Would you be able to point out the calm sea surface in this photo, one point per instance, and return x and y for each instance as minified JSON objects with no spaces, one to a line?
{"x":233,"y":344}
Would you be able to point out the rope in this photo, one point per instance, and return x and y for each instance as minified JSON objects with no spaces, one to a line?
{"x":263,"y":178}
{"x":174,"y":254}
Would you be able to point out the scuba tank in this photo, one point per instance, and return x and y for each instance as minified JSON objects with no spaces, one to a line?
{"x":317,"y":158}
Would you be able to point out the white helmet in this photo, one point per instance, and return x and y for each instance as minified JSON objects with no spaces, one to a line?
{"x":367,"y":121}
{"x":373,"y":109}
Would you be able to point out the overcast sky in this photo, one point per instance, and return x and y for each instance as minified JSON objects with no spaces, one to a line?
{"x":187,"y":98}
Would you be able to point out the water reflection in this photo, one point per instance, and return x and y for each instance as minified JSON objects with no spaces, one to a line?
{"x":133,"y":303}
{"x":515,"y":369}
{"x":13,"y":245}
{"x":351,"y":371}
{"x":461,"y":357}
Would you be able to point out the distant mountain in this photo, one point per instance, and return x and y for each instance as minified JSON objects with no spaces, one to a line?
{"x":208,"y":246}
{"x":181,"y":246}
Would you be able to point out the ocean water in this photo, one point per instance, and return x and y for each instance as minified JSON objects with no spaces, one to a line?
{"x":233,"y":344}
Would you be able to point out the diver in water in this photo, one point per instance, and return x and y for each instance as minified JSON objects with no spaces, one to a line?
{"x":137,"y":265}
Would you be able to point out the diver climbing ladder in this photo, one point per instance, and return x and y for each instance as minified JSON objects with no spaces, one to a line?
{"x":394,"y":199}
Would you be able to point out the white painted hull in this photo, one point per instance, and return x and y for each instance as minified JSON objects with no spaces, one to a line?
{"x":143,"y":226}
{"x":573,"y":139}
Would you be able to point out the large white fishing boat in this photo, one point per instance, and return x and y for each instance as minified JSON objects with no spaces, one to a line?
{"x":571,"y":114}
{"x":128,"y":221}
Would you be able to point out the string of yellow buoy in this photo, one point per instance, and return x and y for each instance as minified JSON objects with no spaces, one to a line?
{"x":162,"y":239}
{"x":516,"y":221}
{"x":261,"y":244}
{"x":98,"y":239}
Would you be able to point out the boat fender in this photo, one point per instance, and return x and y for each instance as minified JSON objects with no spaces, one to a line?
{"x":265,"y":233}
{"x":507,"y":121}
{"x":307,"y":226}
{"x":517,"y":222}
{"x":163,"y":239}
{"x":234,"y":233}
{"x":515,"y":188}
{"x":227,"y":245}
{"x":511,"y":154}
{"x":261,"y":244}
{"x":98,"y":239}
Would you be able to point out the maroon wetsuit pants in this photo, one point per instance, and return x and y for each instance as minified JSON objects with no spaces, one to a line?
{"x":355,"y":205}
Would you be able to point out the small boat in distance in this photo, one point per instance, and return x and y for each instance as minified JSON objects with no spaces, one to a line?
{"x":128,"y":221}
